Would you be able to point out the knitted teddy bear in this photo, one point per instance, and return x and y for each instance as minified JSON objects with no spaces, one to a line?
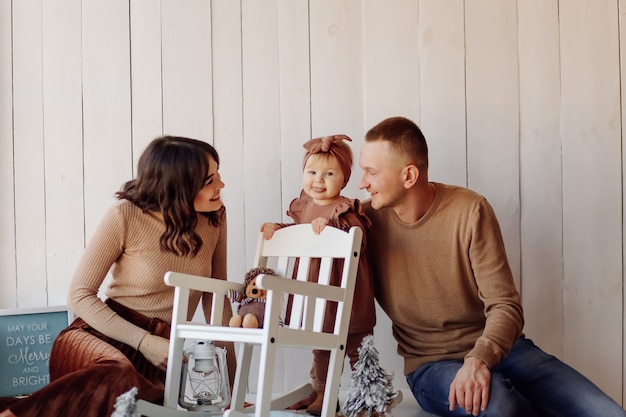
{"x":251,"y":310}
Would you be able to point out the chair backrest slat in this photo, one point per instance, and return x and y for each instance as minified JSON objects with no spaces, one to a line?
{"x":300,"y":255}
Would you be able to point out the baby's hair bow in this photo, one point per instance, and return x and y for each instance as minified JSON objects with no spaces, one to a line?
{"x":324,"y":144}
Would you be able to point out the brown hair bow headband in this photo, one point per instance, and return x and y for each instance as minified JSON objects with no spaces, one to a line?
{"x":334,"y":146}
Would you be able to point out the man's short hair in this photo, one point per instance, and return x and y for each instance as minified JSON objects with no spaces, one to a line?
{"x":405,"y":138}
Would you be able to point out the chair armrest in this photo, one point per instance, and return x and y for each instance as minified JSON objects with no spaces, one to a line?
{"x":199,"y":283}
{"x":183,"y":283}
{"x":292,"y":286}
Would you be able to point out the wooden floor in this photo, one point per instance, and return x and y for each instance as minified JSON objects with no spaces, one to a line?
{"x":407,"y":408}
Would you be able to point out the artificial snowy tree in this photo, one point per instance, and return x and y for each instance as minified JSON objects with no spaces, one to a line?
{"x":371,"y":392}
{"x":125,"y":404}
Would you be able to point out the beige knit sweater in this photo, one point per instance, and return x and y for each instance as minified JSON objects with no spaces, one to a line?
{"x":127,"y":243}
{"x":445,"y":281}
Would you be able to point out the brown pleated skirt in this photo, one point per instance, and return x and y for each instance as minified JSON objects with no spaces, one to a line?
{"x":89,"y":370}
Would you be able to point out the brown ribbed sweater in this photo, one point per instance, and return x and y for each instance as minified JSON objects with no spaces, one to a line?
{"x":127,"y":243}
{"x":445,"y":281}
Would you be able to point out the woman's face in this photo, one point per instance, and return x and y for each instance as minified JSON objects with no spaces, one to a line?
{"x":208,"y":198}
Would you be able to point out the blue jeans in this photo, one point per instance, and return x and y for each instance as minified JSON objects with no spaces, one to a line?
{"x":527,"y":383}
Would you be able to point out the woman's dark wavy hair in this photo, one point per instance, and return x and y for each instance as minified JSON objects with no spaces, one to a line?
{"x":170,"y":173}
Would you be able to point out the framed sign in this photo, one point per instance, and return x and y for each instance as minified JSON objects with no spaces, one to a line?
{"x":26,"y":337}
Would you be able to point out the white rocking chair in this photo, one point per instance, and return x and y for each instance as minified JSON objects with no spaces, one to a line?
{"x":304,"y":328}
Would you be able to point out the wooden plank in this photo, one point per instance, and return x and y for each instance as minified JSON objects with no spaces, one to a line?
{"x":540,"y":146}
{"x":592,"y":187}
{"x":391,"y":60}
{"x":30,"y":209}
{"x":106,"y":105}
{"x":295,"y":96}
{"x":622,"y":41}
{"x":228,"y":125}
{"x":295,"y":129}
{"x":336,"y":72}
{"x":261,"y":117}
{"x":8,"y":274}
{"x":147,"y":97}
{"x":493,"y":114}
{"x":442,"y":88}
{"x":186,"y":39}
{"x":63,"y":147}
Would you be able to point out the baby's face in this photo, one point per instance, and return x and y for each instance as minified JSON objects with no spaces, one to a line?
{"x":322,"y":178}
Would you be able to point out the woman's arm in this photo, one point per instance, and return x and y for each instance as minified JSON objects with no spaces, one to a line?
{"x":105,"y":247}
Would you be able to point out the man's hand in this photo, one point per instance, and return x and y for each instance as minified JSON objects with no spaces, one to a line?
{"x":155,"y":349}
{"x":268,"y":230}
{"x":470,"y":387}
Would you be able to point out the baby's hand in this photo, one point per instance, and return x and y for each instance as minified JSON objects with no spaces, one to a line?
{"x":319,"y":224}
{"x":268,"y":230}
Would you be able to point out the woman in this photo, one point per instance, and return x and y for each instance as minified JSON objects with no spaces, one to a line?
{"x":170,"y":218}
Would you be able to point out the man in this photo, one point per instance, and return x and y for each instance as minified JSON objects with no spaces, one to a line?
{"x":443,"y":278}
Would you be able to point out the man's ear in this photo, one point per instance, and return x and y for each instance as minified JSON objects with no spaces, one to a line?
{"x":410,"y":175}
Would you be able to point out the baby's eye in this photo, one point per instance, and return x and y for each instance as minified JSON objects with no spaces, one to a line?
{"x":311,"y":172}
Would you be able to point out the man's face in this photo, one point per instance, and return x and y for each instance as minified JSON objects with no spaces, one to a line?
{"x":382,"y":174}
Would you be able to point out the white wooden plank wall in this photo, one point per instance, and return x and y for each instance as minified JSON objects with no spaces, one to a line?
{"x":8,"y":267}
{"x":63,"y":142}
{"x":540,"y":189}
{"x":592,"y":185}
{"x":622,"y":41}
{"x":520,"y":100}
{"x":29,"y":163}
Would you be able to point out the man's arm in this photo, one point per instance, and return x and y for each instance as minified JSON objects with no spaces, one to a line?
{"x":504,"y":318}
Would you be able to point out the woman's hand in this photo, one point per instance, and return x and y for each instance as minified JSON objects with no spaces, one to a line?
{"x":155,"y":349}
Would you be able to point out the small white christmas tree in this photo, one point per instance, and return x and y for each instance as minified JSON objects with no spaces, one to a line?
{"x":125,"y":404}
{"x":371,"y":392}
